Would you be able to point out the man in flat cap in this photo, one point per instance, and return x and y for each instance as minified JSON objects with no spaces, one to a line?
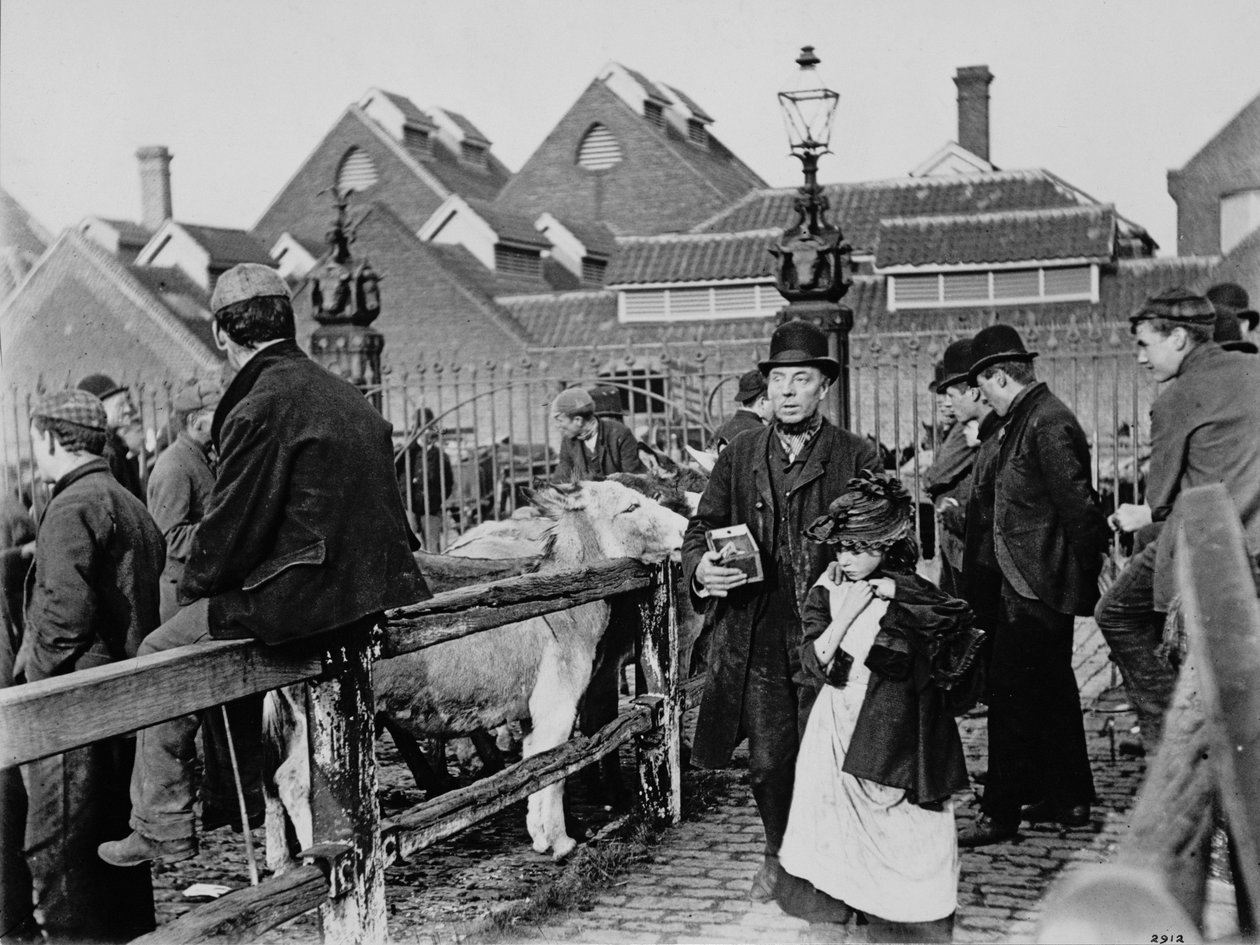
{"x":589,"y":445}
{"x":1205,"y":428}
{"x":91,"y":598}
{"x":281,"y":553}
{"x":126,"y":438}
{"x":1049,"y":538}
{"x":754,"y":410}
{"x":776,"y":481}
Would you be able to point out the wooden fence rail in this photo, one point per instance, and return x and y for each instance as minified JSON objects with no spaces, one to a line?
{"x":344,"y":876}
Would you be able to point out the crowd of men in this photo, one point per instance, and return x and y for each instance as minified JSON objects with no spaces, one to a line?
{"x":244,"y":520}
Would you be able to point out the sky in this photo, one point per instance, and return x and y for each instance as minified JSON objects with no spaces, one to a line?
{"x":1108,"y":94}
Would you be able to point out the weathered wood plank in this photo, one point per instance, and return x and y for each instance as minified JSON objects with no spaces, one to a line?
{"x":468,"y":610}
{"x":659,"y":750}
{"x":1223,"y":624}
{"x":411,"y":831}
{"x":447,"y":572}
{"x":340,"y":709}
{"x":132,"y":694}
{"x":243,"y":915}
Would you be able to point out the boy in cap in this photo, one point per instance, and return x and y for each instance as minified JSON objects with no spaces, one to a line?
{"x":754,"y":410}
{"x":591,"y":446}
{"x":1205,"y":428}
{"x":126,"y":438}
{"x":777,"y":481}
{"x":1049,"y":537}
{"x":91,"y":598}
{"x":281,"y":553}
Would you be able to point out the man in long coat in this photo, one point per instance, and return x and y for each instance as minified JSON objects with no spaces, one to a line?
{"x":1049,"y":537}
{"x":776,"y":482}
{"x":304,"y":532}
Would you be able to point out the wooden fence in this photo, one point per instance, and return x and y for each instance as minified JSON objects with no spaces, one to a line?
{"x":344,"y":872}
{"x":1207,"y":767}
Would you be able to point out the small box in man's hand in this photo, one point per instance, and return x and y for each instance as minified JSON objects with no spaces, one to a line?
{"x":736,"y":548}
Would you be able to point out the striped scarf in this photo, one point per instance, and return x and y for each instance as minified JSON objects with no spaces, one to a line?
{"x":793,"y":443}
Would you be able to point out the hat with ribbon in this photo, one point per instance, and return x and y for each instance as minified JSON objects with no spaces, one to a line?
{"x":73,"y":406}
{"x":247,"y":281}
{"x":955,"y":364}
{"x":993,"y":345}
{"x":1233,"y":298}
{"x":1178,"y":305}
{"x":799,"y":344}
{"x":872,"y":513}
{"x":751,"y":386}
{"x":100,"y":385}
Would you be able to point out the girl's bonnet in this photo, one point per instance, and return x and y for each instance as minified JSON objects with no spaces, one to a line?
{"x":873,"y":513}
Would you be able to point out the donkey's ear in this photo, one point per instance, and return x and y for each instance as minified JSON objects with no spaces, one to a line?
{"x":555,"y":499}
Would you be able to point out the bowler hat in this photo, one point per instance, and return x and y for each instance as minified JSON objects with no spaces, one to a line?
{"x":100,"y":385}
{"x":575,"y":400}
{"x":247,"y":281}
{"x":73,"y":406}
{"x":1179,"y":305}
{"x":938,"y":375}
{"x":995,"y":344}
{"x":799,"y":344}
{"x":607,"y":400}
{"x":751,"y":386}
{"x":955,"y":364}
{"x":1233,"y":298}
{"x":1228,"y":334}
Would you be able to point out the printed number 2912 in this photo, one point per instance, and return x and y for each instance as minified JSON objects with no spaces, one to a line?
{"x":1167,"y":939}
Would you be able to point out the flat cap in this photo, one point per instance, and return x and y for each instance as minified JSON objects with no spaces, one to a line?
{"x":574,"y":400}
{"x":247,"y":281}
{"x":751,"y":386}
{"x":1177,"y":304}
{"x":73,"y":406}
{"x":197,"y":395}
{"x":100,"y":385}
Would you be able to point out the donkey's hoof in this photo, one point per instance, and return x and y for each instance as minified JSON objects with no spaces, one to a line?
{"x":564,"y":846}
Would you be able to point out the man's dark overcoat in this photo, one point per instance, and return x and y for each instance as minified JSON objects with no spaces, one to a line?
{"x":616,"y":450}
{"x":305,"y":529}
{"x":743,"y":420}
{"x":739,"y":492}
{"x":1046,"y":509}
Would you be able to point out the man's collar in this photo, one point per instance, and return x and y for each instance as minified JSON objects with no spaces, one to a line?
{"x":1023,"y":395}
{"x":988,"y":423}
{"x":95,"y":464}
{"x":247,"y":376}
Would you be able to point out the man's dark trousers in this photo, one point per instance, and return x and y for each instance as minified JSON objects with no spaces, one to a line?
{"x":1036,"y":729}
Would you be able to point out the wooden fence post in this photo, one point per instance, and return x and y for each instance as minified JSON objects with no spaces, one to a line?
{"x":344,"y":813}
{"x":658,"y":751}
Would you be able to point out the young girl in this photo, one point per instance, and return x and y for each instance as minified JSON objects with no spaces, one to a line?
{"x":871,"y":827}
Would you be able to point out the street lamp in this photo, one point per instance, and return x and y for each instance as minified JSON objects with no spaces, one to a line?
{"x":812,"y":271}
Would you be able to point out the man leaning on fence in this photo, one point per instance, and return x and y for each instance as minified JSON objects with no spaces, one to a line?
{"x":1205,"y":428}
{"x":91,"y":598}
{"x":303,"y":533}
{"x":775,"y":481}
{"x":591,"y":446}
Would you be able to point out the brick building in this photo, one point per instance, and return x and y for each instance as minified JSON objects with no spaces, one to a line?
{"x":22,"y":241}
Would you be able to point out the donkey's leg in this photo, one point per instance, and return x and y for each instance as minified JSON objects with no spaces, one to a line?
{"x":552,"y":707}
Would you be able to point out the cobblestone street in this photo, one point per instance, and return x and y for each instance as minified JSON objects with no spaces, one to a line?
{"x":694,"y":884}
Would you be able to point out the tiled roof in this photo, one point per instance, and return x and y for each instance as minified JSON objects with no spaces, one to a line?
{"x":129,"y":233}
{"x":510,"y":226}
{"x":459,"y":178}
{"x":692,"y":258}
{"x":471,"y":132}
{"x":859,"y":208}
{"x":1010,"y":236}
{"x":597,"y":238}
{"x":227,"y":247}
{"x":650,"y":87}
{"x":410,"y":110}
{"x":687,"y":100}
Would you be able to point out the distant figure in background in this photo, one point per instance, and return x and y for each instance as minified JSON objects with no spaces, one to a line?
{"x":1232,"y":298}
{"x":754,"y":412}
{"x":126,"y":438}
{"x":951,"y":462}
{"x":91,"y":598}
{"x":607,"y":402}
{"x":432,"y":480}
{"x":589,"y":445}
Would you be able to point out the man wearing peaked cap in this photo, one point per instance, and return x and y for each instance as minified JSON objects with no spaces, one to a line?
{"x":590,"y":445}
{"x":1049,"y":538}
{"x":1205,"y":428}
{"x":775,"y":481}
{"x":91,"y":598}
{"x":754,"y":410}
{"x":279,"y":553}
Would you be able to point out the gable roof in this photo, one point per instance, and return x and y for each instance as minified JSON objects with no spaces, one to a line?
{"x":471,"y":132}
{"x":129,"y":232}
{"x":1077,"y":233}
{"x":701,"y":257}
{"x":596,"y":238}
{"x":1245,"y":122}
{"x":227,"y":246}
{"x":22,"y":241}
{"x":859,"y":208}
{"x":509,"y":226}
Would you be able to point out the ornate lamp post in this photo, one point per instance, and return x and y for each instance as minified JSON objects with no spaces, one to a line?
{"x":812,"y":272}
{"x":345,"y":300}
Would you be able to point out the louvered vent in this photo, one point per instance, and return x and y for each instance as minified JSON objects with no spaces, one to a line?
{"x":357,"y":171}
{"x":599,"y":150}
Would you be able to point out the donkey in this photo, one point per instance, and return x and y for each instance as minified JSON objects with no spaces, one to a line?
{"x":536,"y":669}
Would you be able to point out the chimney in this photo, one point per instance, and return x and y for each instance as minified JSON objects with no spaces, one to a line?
{"x":155,"y":186}
{"x":973,"y":108}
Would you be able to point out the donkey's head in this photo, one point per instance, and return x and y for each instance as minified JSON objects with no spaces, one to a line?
{"x":622,"y":523}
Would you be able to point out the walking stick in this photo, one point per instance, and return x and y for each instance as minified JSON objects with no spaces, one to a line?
{"x":240,"y":798}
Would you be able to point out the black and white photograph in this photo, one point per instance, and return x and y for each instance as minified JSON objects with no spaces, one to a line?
{"x":669,"y":471}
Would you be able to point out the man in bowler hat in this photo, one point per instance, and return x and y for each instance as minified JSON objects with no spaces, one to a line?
{"x":1205,"y":428}
{"x":1231,"y":298}
{"x":754,"y":410}
{"x":280,"y":554}
{"x":1049,"y":538}
{"x":775,"y":481}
